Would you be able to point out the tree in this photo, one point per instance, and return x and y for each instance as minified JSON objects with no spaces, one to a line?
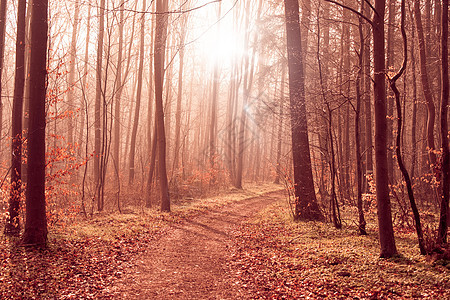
{"x":98,"y":97}
{"x":118,"y":95}
{"x":306,"y":206}
{"x":385,"y":227}
{"x":398,"y":152}
{"x":359,"y":171}
{"x":159,"y":51}
{"x":445,"y":165}
{"x":36,"y":222}
{"x":73,"y":56}
{"x":426,"y":85}
{"x":12,"y":223}
{"x":3,"y":9}
{"x":138,"y":98}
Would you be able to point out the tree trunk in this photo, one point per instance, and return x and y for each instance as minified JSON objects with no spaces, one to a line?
{"x":398,"y":151}
{"x":84,"y":81}
{"x":359,"y":171}
{"x":368,"y":103}
{"x":390,"y":60}
{"x":160,"y":42}
{"x":97,"y":109}
{"x":280,"y":125}
{"x":3,"y":10}
{"x":138,"y":98}
{"x":414,"y":99}
{"x":12,"y":222}
{"x":306,"y":207}
{"x":443,"y":221}
{"x":73,"y":57}
{"x":36,"y":222}
{"x":176,"y":156}
{"x":426,"y":86}
{"x":385,"y":228}
{"x":118,"y":96}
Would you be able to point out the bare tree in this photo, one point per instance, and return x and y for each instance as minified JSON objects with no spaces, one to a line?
{"x":138,"y":97}
{"x":12,"y":222}
{"x":159,"y":51}
{"x":73,"y":57}
{"x":398,"y":152}
{"x":426,"y":85}
{"x":36,"y":221}
{"x":3,"y":10}
{"x":306,"y":207}
{"x":445,"y":165}
{"x":385,"y":227}
{"x":98,"y":97}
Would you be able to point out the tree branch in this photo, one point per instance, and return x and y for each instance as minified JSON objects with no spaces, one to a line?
{"x":352,"y":10}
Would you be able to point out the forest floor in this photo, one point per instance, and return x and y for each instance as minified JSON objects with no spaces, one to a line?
{"x":240,"y":245}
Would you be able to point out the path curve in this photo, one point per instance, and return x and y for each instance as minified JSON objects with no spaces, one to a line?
{"x":190,"y":260}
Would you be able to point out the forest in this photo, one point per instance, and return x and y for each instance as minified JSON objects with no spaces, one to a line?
{"x":231,"y":149}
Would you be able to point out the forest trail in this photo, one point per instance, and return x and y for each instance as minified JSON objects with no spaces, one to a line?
{"x":190,"y":260}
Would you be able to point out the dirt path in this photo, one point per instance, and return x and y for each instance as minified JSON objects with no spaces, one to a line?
{"x":190,"y":260}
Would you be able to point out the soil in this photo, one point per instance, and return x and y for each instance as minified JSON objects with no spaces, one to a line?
{"x":191,"y":260}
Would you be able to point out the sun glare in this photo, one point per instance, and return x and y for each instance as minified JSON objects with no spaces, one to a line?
{"x":219,"y":42}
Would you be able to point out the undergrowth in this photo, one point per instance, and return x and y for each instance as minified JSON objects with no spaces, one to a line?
{"x":282,"y":259}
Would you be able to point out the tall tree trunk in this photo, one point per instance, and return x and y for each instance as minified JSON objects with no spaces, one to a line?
{"x":246,"y":95}
{"x":368,"y":103}
{"x":160,"y":42}
{"x":359,"y":171}
{"x":306,"y":207}
{"x":73,"y":56}
{"x":443,"y":221}
{"x":214,"y":97}
{"x":3,"y":10}
{"x":426,"y":86}
{"x":118,"y":96}
{"x":414,"y":99}
{"x":385,"y":227}
{"x":345,"y":150}
{"x":151,"y":92}
{"x":36,"y":221}
{"x":390,"y":61}
{"x":97,"y":109}
{"x":84,"y":81}
{"x":178,"y":109}
{"x":12,"y":222}
{"x":398,"y":151}
{"x":138,"y":98}
{"x":280,"y":124}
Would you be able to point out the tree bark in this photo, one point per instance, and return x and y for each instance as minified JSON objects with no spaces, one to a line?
{"x":390,"y":60}
{"x":280,"y":124}
{"x":36,"y":221}
{"x":306,"y":207}
{"x":368,"y":103}
{"x":414,"y":99}
{"x":138,"y":98}
{"x":3,"y":10}
{"x":73,"y":57}
{"x":385,"y":227}
{"x":443,"y":221}
{"x":118,"y":96}
{"x":97,"y":109}
{"x":398,"y":151}
{"x":359,"y":170}
{"x":426,"y":86}
{"x":160,"y":42}
{"x":12,"y":222}
{"x":176,"y":164}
